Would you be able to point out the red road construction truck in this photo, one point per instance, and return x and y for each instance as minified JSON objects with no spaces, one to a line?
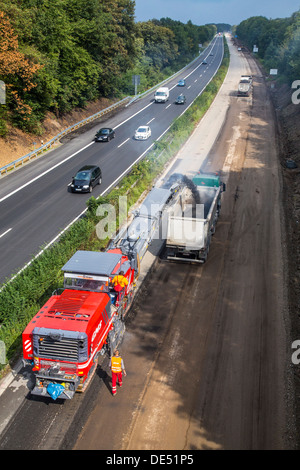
{"x":86,"y":318}
{"x":66,"y":336}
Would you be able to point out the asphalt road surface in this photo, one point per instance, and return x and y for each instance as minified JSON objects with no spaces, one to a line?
{"x":34,"y":203}
{"x":205,"y":345}
{"x":206,"y":351}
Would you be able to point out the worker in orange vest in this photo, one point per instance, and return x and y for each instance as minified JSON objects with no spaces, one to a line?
{"x":117,"y":367}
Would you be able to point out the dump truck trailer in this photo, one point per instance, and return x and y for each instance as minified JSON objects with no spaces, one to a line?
{"x":193,"y":220}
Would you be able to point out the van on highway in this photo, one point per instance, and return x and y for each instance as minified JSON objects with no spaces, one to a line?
{"x":161,"y":95}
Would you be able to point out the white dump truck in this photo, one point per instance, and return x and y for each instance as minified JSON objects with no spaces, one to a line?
{"x":193,"y":220}
{"x":245,"y":85}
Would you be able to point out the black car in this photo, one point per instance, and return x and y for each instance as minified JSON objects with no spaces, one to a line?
{"x":85,"y":179}
{"x":180,"y":100}
{"x":105,"y":134}
{"x":204,"y":62}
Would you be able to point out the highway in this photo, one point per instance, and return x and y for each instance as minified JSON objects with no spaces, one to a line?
{"x":35,"y":205}
{"x":205,"y":346}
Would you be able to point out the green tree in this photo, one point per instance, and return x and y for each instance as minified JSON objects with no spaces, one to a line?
{"x":79,"y":51}
{"x":278,"y":42}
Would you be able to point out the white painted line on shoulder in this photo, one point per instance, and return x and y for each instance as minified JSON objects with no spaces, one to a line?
{"x":123,"y":142}
{"x":44,"y":173}
{"x":3,"y":234}
{"x":130,"y":117}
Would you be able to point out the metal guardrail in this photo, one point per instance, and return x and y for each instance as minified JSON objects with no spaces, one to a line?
{"x":27,"y":158}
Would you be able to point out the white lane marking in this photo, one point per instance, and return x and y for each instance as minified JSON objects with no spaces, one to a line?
{"x":83,"y":148}
{"x":123,"y":142}
{"x":112,"y":184}
{"x":168,"y":106}
{"x":189,"y":87}
{"x":84,"y":211}
{"x":150,"y":120}
{"x":63,"y":161}
{"x":5,"y":232}
{"x":195,"y":80}
{"x":44,"y":173}
{"x":130,"y":117}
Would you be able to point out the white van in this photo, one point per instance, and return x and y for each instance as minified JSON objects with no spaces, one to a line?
{"x":161,"y":95}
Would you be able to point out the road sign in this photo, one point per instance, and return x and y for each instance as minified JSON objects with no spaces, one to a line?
{"x":2,"y":92}
{"x":136,"y":79}
{"x":2,"y":353}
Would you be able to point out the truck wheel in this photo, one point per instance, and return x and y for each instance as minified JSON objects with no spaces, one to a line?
{"x":204,"y":258}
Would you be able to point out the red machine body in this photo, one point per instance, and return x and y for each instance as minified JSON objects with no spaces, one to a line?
{"x":65,"y":337}
{"x":86,"y":318}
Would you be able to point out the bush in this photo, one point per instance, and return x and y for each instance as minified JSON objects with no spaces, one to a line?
{"x":3,"y":128}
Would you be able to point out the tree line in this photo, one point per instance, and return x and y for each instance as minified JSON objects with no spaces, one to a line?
{"x":278,"y":42}
{"x":56,"y":55}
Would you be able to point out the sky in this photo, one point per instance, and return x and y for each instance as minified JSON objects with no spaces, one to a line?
{"x":201,"y":12}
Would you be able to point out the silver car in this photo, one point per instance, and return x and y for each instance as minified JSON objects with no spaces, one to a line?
{"x":142,"y":133}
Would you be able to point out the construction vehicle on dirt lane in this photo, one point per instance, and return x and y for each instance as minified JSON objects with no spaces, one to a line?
{"x":193,"y":220}
{"x":86,"y":317}
{"x":245,"y":85}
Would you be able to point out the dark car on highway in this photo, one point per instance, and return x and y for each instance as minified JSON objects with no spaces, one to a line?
{"x":105,"y":134}
{"x":85,"y":179}
{"x":180,"y":99}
